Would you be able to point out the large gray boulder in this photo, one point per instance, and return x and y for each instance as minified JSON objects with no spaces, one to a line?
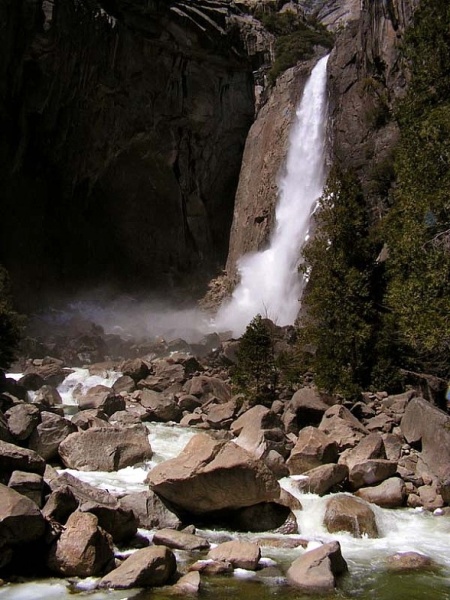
{"x":316,"y":570}
{"x":83,"y":549}
{"x":105,"y":449}
{"x":312,"y":449}
{"x":148,"y":567}
{"x":209,"y":476}
{"x":346,"y":513}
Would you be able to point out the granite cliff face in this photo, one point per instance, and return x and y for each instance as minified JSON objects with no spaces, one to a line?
{"x":123,"y":125}
{"x":366,"y":76}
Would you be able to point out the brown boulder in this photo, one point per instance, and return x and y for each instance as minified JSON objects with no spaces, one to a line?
{"x":92,"y":417}
{"x":346,"y":513}
{"x":21,"y":521}
{"x":83,"y":550}
{"x":205,"y":388}
{"x":22,"y":419}
{"x":220,"y":416}
{"x":316,"y":570}
{"x":102,"y":398}
{"x":47,"y":396}
{"x":48,"y":435}
{"x":408,"y":561}
{"x":210,"y":476}
{"x":312,"y":449}
{"x":30,"y":485}
{"x":105,"y":449}
{"x":160,"y":407}
{"x":179,"y":540}
{"x":135,"y":368}
{"x":391,"y":493}
{"x":148,"y":567}
{"x":323,"y":479}
{"x":112,"y":516}
{"x":188,"y":584}
{"x":345,"y":429}
{"x":52,"y":373}
{"x":369,"y":447}
{"x":370,"y":472}
{"x":242,"y":555}
{"x":305,"y":408}
{"x":14,"y":458}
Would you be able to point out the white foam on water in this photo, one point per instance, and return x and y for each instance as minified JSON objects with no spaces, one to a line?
{"x":83,"y":381}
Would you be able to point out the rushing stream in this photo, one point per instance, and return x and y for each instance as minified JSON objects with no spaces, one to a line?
{"x":400,"y":530}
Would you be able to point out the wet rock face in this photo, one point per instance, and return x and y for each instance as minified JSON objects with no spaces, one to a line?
{"x":123,"y":139}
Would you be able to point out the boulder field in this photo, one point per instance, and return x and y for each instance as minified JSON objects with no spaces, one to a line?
{"x":391,"y":451}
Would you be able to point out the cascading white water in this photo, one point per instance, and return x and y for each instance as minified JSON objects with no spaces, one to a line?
{"x":270,"y":284}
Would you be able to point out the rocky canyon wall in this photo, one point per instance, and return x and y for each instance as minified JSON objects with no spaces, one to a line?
{"x":366,"y":76}
{"x":122,"y":129}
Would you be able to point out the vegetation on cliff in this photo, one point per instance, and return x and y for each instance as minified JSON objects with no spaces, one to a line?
{"x":369,"y":318}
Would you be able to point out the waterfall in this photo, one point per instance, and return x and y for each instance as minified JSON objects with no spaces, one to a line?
{"x":270,"y":284}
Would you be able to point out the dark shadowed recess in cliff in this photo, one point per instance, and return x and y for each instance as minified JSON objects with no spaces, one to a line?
{"x":120,"y":147}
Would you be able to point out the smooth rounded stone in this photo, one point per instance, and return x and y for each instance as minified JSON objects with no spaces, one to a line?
{"x":345,"y":429}
{"x":30,"y":485}
{"x":134,"y":368}
{"x":149,"y":567}
{"x":21,"y":521}
{"x":408,"y":561}
{"x":211,"y":475}
{"x":106,"y":449}
{"x":179,"y":540}
{"x":282,"y":542}
{"x":22,"y":419}
{"x":370,"y":472}
{"x":125,"y":383}
{"x":112,"y":516}
{"x":15,"y":458}
{"x":212,"y":567}
{"x":49,"y":434}
{"x":205,"y":388}
{"x":103,"y":398}
{"x":60,"y":505}
{"x":316,"y":570}
{"x":160,"y":407}
{"x":347,"y":513}
{"x":220,"y":416}
{"x":323,"y":479}
{"x":305,"y":408}
{"x":92,"y":417}
{"x":47,"y":395}
{"x":188,"y":584}
{"x":83,"y":549}
{"x":391,"y":493}
{"x":31,"y":382}
{"x":312,"y":449}
{"x":241,"y":554}
{"x":369,"y":447}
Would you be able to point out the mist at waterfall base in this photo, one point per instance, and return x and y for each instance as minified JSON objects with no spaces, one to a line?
{"x":270,"y":283}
